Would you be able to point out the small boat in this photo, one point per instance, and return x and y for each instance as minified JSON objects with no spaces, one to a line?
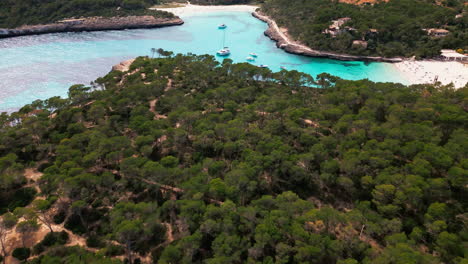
{"x":263,"y":66}
{"x":253,"y":55}
{"x":222,"y":26}
{"x":224,"y":52}
{"x":250,"y":58}
{"x":282,"y":67}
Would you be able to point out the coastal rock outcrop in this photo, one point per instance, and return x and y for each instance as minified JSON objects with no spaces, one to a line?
{"x":124,"y":66}
{"x":282,"y":41}
{"x":92,"y":24}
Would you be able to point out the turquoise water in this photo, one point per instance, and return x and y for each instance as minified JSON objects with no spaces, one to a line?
{"x":39,"y":67}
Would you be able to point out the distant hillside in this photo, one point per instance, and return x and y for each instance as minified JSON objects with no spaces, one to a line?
{"x":14,"y":13}
{"x":395,"y":28}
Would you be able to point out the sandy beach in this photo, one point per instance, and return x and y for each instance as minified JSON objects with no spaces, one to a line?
{"x":190,"y":10}
{"x":419,"y":72}
{"x":414,"y":72}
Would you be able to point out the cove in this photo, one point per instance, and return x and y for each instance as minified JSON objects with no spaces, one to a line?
{"x":39,"y":67}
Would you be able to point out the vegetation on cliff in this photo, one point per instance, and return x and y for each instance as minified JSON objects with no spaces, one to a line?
{"x":217,"y":2}
{"x":186,"y":160}
{"x":393,"y":28}
{"x":14,"y":13}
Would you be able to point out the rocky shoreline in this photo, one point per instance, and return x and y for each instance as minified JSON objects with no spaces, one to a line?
{"x":92,"y":24}
{"x":282,"y":41}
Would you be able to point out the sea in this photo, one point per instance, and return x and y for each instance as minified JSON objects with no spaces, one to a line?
{"x":43,"y":66}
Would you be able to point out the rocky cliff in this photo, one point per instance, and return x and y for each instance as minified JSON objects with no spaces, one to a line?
{"x":92,"y":24}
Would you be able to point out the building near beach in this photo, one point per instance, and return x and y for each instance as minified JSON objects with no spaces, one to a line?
{"x":437,"y":32}
{"x":452,"y":55}
{"x":337,"y":28}
{"x":360,"y":43}
{"x":372,"y":33}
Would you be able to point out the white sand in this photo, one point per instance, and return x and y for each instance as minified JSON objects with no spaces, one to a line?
{"x":419,"y":72}
{"x":190,"y":10}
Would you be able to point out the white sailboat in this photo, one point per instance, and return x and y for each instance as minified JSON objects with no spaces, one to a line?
{"x":224,"y":52}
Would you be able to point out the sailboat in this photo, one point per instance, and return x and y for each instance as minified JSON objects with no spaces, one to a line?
{"x":224,"y":51}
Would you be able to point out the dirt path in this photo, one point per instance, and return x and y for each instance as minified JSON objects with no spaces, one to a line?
{"x":169,"y":235}
{"x":153,"y":106}
{"x":32,"y":175}
{"x":277,"y":29}
{"x":14,"y":239}
{"x":157,"y":116}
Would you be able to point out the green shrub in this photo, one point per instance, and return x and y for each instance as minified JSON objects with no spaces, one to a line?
{"x":74,"y":224}
{"x":52,"y":199}
{"x":44,"y":166}
{"x":19,"y":198}
{"x":38,"y":249}
{"x":114,"y":250}
{"x":94,"y":242}
{"x":21,"y":253}
{"x":51,"y":239}
{"x":60,"y":217}
{"x":170,"y":162}
{"x":133,"y":4}
{"x":63,"y":238}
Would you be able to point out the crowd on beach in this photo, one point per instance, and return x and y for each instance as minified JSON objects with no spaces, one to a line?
{"x":426,"y":71}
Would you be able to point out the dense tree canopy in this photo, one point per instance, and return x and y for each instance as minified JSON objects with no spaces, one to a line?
{"x":399,"y":25}
{"x":187,"y":160}
{"x":15,"y":13}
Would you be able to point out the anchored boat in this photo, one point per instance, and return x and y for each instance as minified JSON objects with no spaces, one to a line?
{"x":222,"y":26}
{"x":224,"y":52}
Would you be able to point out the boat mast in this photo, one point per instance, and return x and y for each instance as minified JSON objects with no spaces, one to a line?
{"x":224,"y":39}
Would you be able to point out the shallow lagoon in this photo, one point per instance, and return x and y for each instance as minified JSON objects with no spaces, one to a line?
{"x":39,"y":67}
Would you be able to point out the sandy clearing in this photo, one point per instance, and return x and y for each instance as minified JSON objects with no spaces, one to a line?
{"x":426,"y":71}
